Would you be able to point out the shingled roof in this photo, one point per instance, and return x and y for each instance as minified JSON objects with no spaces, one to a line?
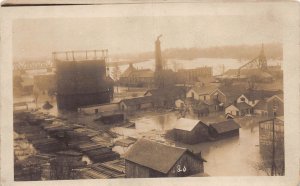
{"x":156,"y":156}
{"x":225,"y":126}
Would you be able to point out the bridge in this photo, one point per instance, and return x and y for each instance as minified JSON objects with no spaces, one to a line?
{"x":259,"y":62}
{"x":73,"y":56}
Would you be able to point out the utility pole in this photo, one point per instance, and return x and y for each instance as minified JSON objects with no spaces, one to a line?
{"x":273,"y":168}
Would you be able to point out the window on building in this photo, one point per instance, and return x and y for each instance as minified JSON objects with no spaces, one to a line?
{"x":242,"y":99}
{"x":204,"y":97}
{"x":96,"y":111}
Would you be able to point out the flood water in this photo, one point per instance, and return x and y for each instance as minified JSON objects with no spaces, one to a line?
{"x":216,"y":63}
{"x":234,"y":156}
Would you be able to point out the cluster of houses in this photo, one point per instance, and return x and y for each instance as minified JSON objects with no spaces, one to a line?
{"x":235,"y":101}
{"x":148,"y":158}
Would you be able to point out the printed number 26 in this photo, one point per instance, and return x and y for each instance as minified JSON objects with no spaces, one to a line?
{"x":181,"y":170}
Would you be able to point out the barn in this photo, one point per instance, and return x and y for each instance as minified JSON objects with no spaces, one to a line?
{"x":224,"y":129}
{"x":190,"y":131}
{"x":146,"y":159}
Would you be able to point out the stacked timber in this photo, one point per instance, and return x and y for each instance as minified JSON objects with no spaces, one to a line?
{"x":98,"y":153}
{"x":45,"y":145}
{"x":103,"y":171}
{"x":27,"y":170}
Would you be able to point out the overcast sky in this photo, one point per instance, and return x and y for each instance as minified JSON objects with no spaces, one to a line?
{"x":37,"y":38}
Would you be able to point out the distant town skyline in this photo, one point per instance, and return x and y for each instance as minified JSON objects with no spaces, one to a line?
{"x":38,"y":38}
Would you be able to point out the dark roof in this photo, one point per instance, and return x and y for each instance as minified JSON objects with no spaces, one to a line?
{"x":242,"y":106}
{"x":261,"y":94}
{"x":280,"y":96}
{"x":261,"y":105}
{"x":157,"y":156}
{"x":137,"y":100}
{"x":232,"y":92}
{"x":127,"y":72}
{"x":225,"y":126}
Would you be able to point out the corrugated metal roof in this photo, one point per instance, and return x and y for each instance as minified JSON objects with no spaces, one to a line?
{"x":186,"y":124}
{"x":225,"y":126}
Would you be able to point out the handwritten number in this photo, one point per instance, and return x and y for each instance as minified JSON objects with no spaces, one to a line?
{"x":181,"y":170}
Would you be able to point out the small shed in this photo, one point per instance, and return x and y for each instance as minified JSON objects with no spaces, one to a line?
{"x":224,"y":129}
{"x":190,"y":131}
{"x":146,"y":159}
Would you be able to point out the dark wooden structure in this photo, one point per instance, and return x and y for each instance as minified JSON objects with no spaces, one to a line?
{"x":224,"y":129}
{"x":148,"y":159}
{"x":190,"y":131}
{"x":81,"y":83}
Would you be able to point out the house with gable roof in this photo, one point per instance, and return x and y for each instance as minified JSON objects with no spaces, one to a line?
{"x":147,"y":159}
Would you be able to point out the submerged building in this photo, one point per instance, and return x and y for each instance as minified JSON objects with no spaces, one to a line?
{"x":82,"y":81}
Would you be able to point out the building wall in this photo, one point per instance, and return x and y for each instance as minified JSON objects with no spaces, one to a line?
{"x":74,"y":101}
{"x":261,"y":112}
{"x":275,"y":103}
{"x":232,"y":110}
{"x":133,"y":170}
{"x":190,"y":163}
{"x":246,"y":100}
{"x":218,"y":95}
{"x":190,"y":94}
{"x":101,"y":108}
{"x":198,"y":134}
{"x":81,"y":83}
{"x":216,"y":135}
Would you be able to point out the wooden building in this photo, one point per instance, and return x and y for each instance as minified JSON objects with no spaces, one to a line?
{"x":254,"y":96}
{"x":166,"y":97}
{"x":239,"y":109}
{"x":193,"y":75}
{"x":135,"y":104}
{"x":271,"y":144}
{"x":270,"y":107}
{"x":224,"y":129}
{"x":82,"y":82}
{"x":190,"y":131}
{"x":146,"y":159}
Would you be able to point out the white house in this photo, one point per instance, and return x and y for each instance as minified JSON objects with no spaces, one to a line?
{"x":245,"y":99}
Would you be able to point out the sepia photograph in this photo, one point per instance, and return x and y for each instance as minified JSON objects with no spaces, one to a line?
{"x":118,"y":97}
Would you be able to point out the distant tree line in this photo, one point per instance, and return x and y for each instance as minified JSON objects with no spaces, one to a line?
{"x":243,"y":52}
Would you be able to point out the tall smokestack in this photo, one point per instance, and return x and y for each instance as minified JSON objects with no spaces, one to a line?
{"x":158,"y":57}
